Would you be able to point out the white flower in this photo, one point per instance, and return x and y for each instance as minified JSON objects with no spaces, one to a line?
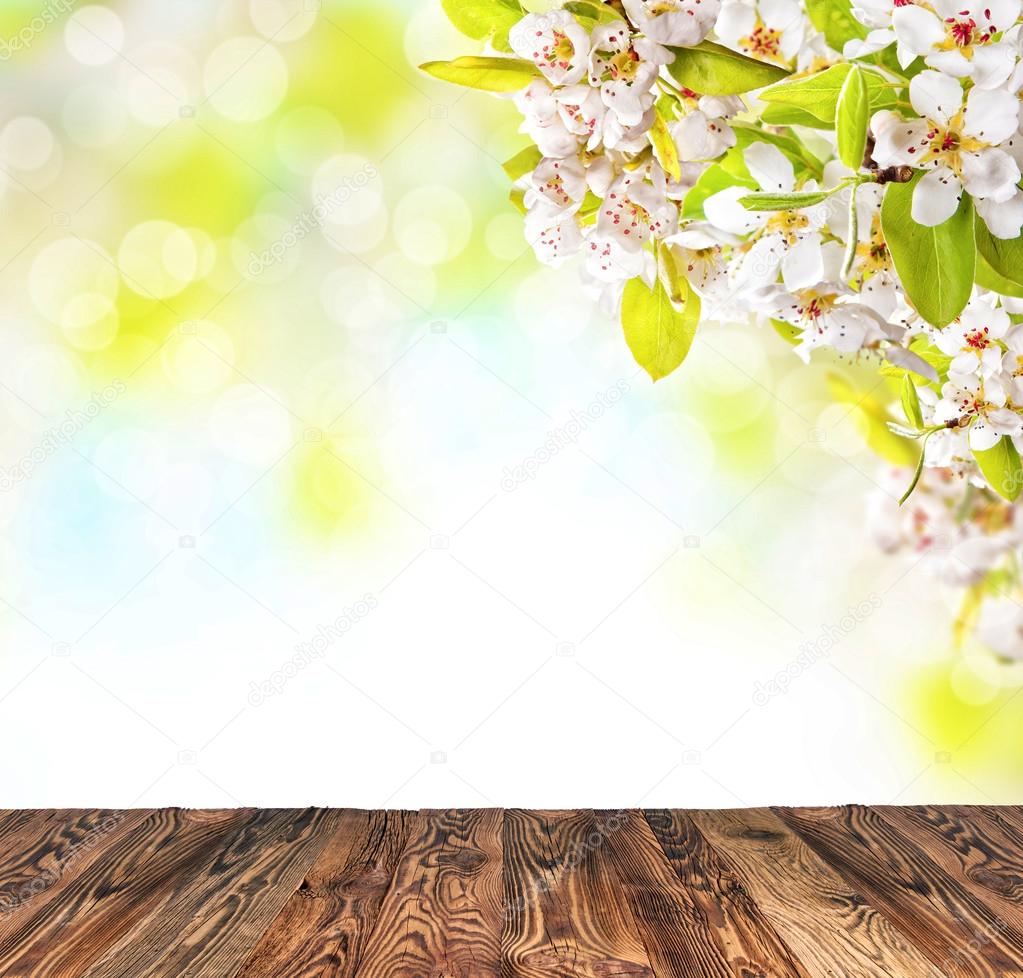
{"x":981,"y":404}
{"x":768,"y":30}
{"x":634,"y":211}
{"x":554,"y":235}
{"x":543,"y":122}
{"x":608,"y":260}
{"x":681,"y":23}
{"x":827,"y":315}
{"x":582,"y":111}
{"x":971,"y":340}
{"x":789,"y":239}
{"x":699,"y":251}
{"x":958,"y":144}
{"x":555,"y":42}
{"x":703,"y":134}
{"x":625,"y":68}
{"x":557,"y":185}
{"x":1000,"y":627}
{"x":959,"y":37}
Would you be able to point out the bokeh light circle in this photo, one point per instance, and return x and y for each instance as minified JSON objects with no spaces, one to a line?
{"x":26,"y":143}
{"x":68,"y":268}
{"x":245,"y":79}
{"x":157,"y":259}
{"x":94,"y":35}
{"x":282,"y":20}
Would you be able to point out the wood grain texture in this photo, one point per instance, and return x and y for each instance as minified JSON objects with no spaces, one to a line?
{"x":132,"y":879}
{"x":692,"y":909}
{"x":562,"y":908}
{"x":442,"y":914}
{"x":923,"y":892}
{"x":44,"y":862}
{"x":976,"y":854}
{"x":957,"y":932}
{"x":323,"y":930}
{"x":216,"y":917}
{"x":823,"y":919}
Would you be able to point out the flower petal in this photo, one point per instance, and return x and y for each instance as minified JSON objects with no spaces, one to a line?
{"x":724,"y":211}
{"x":936,"y":197}
{"x":769,"y":167}
{"x":934,"y":95}
{"x":898,"y":141}
{"x":917,"y":29}
{"x":1003,"y":218}
{"x":803,"y":264}
{"x":989,"y":173}
{"x":990,"y":116}
{"x":982,"y":436}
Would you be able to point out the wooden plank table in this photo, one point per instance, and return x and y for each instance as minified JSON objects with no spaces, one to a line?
{"x":853,"y":892}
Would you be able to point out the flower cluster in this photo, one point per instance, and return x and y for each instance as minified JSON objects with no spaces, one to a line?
{"x":848,"y":171}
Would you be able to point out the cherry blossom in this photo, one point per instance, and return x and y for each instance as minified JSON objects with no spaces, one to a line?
{"x":681,"y":23}
{"x":555,"y":42}
{"x":957,"y":142}
{"x":624,"y":67}
{"x":769,"y":30}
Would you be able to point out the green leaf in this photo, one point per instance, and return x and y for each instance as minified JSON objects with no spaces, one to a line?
{"x":664,"y":148}
{"x":784,"y":202}
{"x":481,"y":18}
{"x":593,"y":10}
{"x":936,"y":264}
{"x":778,"y":114}
{"x":487,"y":74}
{"x":818,"y":94}
{"x":1002,"y":469}
{"x":872,"y":419}
{"x":517,"y":196}
{"x":659,"y":335}
{"x":523,"y":162}
{"x":834,"y":19}
{"x":1004,"y":255}
{"x":988,"y":278}
{"x":852,"y":113}
{"x":729,"y":172}
{"x":711,"y":69}
{"x":911,"y":402}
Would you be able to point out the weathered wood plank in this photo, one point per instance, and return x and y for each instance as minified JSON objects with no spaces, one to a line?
{"x":131,"y":880}
{"x":958,"y":933}
{"x":825,"y":921}
{"x":216,"y":918}
{"x":323,"y":930}
{"x":691,"y":904}
{"x":972,"y":850}
{"x":45,"y":857}
{"x":563,"y":909}
{"x":442,"y":915}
